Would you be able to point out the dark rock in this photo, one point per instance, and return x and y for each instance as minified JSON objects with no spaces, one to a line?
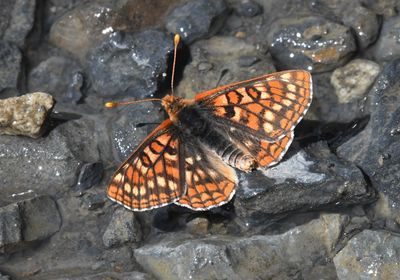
{"x":16,"y":20}
{"x":132,"y":125}
{"x":55,"y":76}
{"x":90,"y":175}
{"x":310,"y":43}
{"x":46,"y":165}
{"x":123,"y":228}
{"x":4,"y":277}
{"x":130,"y":65}
{"x":369,"y":255}
{"x":388,"y":45}
{"x":11,"y":227}
{"x":94,"y":201}
{"x":74,"y":93}
{"x":229,"y":60}
{"x":307,"y":180}
{"x":10,"y":66}
{"x":27,"y":221}
{"x":26,"y":114}
{"x":376,"y":149}
{"x":295,"y":252}
{"x":197,"y":19}
{"x":248,"y":8}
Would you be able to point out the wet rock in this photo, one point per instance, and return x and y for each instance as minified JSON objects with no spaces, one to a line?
{"x":11,"y":227}
{"x":90,"y":175}
{"x":130,"y":64}
{"x":132,"y":275}
{"x":87,"y":24}
{"x":74,"y":93}
{"x":94,"y":201}
{"x":310,"y":43}
{"x":198,"y":226}
{"x":297,"y":251}
{"x":46,"y":165}
{"x":27,"y":221}
{"x":132,"y":125}
{"x":4,"y":277}
{"x":307,"y":180}
{"x":197,"y":19}
{"x":248,"y":8}
{"x":352,"y":81}
{"x":56,"y":76}
{"x":16,"y":20}
{"x":26,"y":114}
{"x":10,"y":66}
{"x":387,"y":8}
{"x":123,"y":228}
{"x":388,"y":45}
{"x":376,"y":149}
{"x":369,"y":255}
{"x":221,"y":60}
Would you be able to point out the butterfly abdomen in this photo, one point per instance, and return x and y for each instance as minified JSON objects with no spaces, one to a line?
{"x":195,"y":125}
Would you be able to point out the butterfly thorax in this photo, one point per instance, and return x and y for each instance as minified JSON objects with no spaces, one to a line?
{"x":173,"y":105}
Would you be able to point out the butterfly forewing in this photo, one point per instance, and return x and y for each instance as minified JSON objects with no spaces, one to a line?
{"x":209,"y":181}
{"x":152,"y":176}
{"x":268,"y":107}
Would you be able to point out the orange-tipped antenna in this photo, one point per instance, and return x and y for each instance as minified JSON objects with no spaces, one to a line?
{"x":112,"y":104}
{"x":177,"y":39}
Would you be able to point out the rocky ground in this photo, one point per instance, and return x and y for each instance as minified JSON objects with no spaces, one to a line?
{"x":329,"y":210}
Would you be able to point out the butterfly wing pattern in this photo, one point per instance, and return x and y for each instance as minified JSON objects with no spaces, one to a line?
{"x":258,"y":115}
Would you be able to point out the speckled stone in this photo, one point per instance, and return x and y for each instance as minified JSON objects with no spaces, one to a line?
{"x":25,"y":115}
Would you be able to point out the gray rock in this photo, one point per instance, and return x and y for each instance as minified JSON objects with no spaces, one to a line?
{"x":46,"y":165}
{"x":123,"y":228}
{"x":307,"y":180}
{"x":310,"y":43}
{"x":248,"y":8}
{"x":27,"y":221}
{"x":369,"y":255}
{"x":26,"y":114}
{"x":376,"y":149}
{"x":293,"y":253}
{"x":388,"y":45}
{"x":130,"y":64}
{"x":4,"y":277}
{"x":197,"y":19}
{"x":352,"y":81}
{"x":94,"y":201}
{"x":16,"y":20}
{"x":90,"y":175}
{"x":219,"y":61}
{"x":132,"y":275}
{"x":10,"y":66}
{"x":55,"y":75}
{"x":386,"y":8}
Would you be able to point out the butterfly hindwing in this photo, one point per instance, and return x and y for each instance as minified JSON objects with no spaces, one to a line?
{"x":209,"y":181}
{"x":268,"y":107}
{"x":152,"y":176}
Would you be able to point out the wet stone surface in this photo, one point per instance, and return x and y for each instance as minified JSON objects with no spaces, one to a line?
{"x":310,"y":43}
{"x":328,"y":210}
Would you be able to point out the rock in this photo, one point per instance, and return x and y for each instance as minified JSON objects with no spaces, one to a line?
{"x":90,"y":175}
{"x":131,"y":125}
{"x":376,"y":149}
{"x":352,"y":81}
{"x":16,"y":20}
{"x":369,"y":255}
{"x":87,"y":24}
{"x":27,"y":221}
{"x":10,"y":66}
{"x":248,"y":8}
{"x":219,"y":61}
{"x":297,"y":251}
{"x":4,"y":277}
{"x":94,"y":201}
{"x":194,"y":20}
{"x":386,"y":8}
{"x":198,"y":226}
{"x":123,"y":228}
{"x":55,"y":75}
{"x":130,"y":64}
{"x":11,"y":227}
{"x":310,"y":43}
{"x":26,"y":114}
{"x":307,"y":180}
{"x":388,"y":45}
{"x":46,"y":165}
{"x":132,"y":275}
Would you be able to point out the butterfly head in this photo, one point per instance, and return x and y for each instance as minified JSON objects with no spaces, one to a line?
{"x":172,"y":105}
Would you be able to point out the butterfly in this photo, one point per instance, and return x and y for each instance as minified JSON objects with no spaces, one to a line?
{"x":189,"y":158}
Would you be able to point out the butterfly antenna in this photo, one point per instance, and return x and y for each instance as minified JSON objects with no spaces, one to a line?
{"x":177,"y":39}
{"x":112,"y":104}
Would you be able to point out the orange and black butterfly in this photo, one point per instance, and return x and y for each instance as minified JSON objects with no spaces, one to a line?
{"x":188,"y":159}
